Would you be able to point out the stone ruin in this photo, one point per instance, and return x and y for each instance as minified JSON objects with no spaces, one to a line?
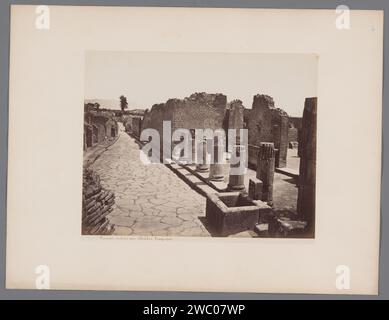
{"x":99,"y":126}
{"x":133,"y":125}
{"x":100,"y":129}
{"x":266,"y":123}
{"x":198,"y":111}
{"x":295,"y":124}
{"x":265,"y":172}
{"x":306,"y":203}
{"x":268,"y":141}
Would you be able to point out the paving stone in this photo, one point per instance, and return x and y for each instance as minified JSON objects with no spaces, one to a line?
{"x":122,"y":221}
{"x":149,"y":198}
{"x":122,"y":231}
{"x":136,"y":214}
{"x":171,"y":221}
{"x":186,"y":217}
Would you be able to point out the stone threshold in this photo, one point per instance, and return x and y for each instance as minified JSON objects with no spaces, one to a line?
{"x":219,"y":186}
{"x":288,"y":172}
{"x":192,"y":180}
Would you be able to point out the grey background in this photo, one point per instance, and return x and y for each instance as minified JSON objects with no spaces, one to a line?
{"x":298,"y":4}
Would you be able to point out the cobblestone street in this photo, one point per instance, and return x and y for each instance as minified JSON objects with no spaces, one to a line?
{"x":150,"y":199}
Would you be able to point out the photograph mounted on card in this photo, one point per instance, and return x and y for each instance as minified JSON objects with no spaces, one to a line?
{"x":215,"y":159}
{"x":194,"y":149}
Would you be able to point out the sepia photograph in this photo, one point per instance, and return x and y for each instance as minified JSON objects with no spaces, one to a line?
{"x":199,"y":144}
{"x":184,"y":149}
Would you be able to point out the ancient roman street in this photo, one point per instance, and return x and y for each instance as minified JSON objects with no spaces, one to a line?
{"x":155,"y":202}
{"x":199,"y":193}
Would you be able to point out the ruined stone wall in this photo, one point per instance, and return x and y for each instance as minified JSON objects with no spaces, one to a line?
{"x":127,"y":123}
{"x":198,"y":111}
{"x":133,"y":125}
{"x":201,"y":111}
{"x":111,"y":128}
{"x":153,"y":119}
{"x":266,"y":123}
{"x":294,"y":126}
{"x":260,"y":120}
{"x":296,"y":122}
{"x":292,"y":134}
{"x":136,"y":125}
{"x":98,"y":127}
{"x":99,"y":122}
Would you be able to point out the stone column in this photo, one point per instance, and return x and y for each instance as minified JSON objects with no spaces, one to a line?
{"x":307,"y":174}
{"x":280,"y":135}
{"x":236,"y":181}
{"x":265,"y":170}
{"x":216,"y":167}
{"x":236,"y":117}
{"x":235,"y":122}
{"x":202,"y":161}
{"x":255,"y":189}
{"x":193,"y":159}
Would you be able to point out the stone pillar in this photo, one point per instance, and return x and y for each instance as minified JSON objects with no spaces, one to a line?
{"x":299,"y":142}
{"x":202,"y":161}
{"x":236,"y":122}
{"x":216,"y":172}
{"x":193,"y":159}
{"x":307,"y":174}
{"x":281,"y":140}
{"x":236,"y":116}
{"x":236,"y":181}
{"x":255,"y":189}
{"x":265,"y":170}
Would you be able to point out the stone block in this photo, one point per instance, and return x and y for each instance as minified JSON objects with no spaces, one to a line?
{"x":255,"y":189}
{"x":231,"y":212}
{"x":265,"y":170}
{"x":238,"y":170}
{"x":293,"y":145}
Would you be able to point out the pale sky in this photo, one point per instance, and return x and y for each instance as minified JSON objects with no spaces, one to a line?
{"x":147,"y":78}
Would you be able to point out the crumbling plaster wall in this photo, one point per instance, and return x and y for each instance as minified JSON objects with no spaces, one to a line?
{"x":266,"y":123}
